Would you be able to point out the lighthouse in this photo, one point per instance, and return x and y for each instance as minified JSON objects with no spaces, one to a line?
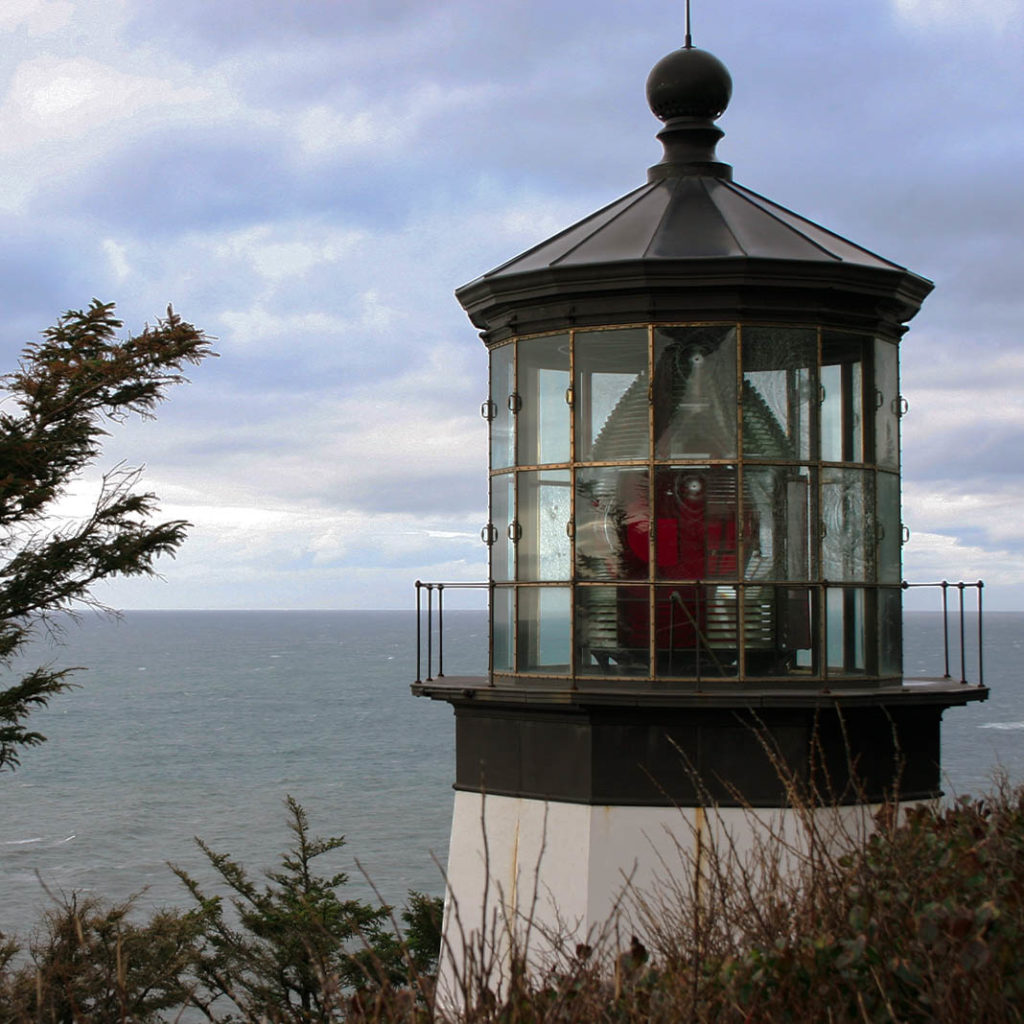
{"x":695,"y":581}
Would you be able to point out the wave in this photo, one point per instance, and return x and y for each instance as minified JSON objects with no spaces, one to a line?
{"x":1003,"y":726}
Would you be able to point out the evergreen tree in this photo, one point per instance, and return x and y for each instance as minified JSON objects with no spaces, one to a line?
{"x":292,"y":950}
{"x":55,"y":406}
{"x":87,"y":961}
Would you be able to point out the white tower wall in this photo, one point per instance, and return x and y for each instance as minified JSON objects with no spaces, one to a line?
{"x":535,"y":878}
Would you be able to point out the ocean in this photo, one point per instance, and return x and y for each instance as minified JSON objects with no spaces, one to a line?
{"x":191,"y":724}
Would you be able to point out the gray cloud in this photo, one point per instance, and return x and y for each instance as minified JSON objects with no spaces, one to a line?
{"x":310,"y":181}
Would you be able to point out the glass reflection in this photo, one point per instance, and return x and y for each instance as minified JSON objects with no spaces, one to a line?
{"x":611,"y":395}
{"x":706,"y":564}
{"x":890,"y":547}
{"x":846,"y":621}
{"x":780,"y":511}
{"x":542,"y":379}
{"x":543,"y":517}
{"x":848,"y":525}
{"x":544,"y":630}
{"x":695,"y":522}
{"x":694,"y":392}
{"x":502,"y":627}
{"x":778,"y":382}
{"x":890,"y":631}
{"x":696,"y":631}
{"x":612,"y":523}
{"x":842,"y":400}
{"x":502,"y":388}
{"x":778,"y":630}
{"x":887,"y":405}
{"x":612,"y":631}
{"x":503,"y":552}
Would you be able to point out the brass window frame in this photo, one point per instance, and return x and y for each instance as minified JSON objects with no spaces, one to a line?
{"x":815,"y":464}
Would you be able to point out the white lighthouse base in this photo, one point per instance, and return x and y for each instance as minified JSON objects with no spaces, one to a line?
{"x":529,"y":880}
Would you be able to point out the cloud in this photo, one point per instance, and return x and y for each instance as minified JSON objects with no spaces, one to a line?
{"x":353,"y":127}
{"x":236,"y":557}
{"x":310,"y":182}
{"x":958,"y":14}
{"x":117,"y":254}
{"x":965,"y":529}
{"x":55,"y":99}
{"x":39,"y":17}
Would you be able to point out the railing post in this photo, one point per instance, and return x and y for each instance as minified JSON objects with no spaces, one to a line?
{"x":671,"y":635}
{"x":945,"y":586}
{"x":430,"y":631}
{"x":945,"y":625}
{"x":963,"y":652}
{"x":697,"y":629}
{"x":419,"y":679}
{"x":823,"y":605}
{"x":981,"y":646}
{"x":440,"y":631}
{"x":490,"y":632}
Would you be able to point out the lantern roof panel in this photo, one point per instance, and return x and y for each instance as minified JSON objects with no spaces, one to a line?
{"x":691,"y":217}
{"x":692,"y":242}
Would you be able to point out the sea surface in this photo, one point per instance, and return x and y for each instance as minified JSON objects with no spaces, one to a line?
{"x":191,"y":724}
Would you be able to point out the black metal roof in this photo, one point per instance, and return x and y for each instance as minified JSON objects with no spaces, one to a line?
{"x":692,"y":243}
{"x":691,"y":217}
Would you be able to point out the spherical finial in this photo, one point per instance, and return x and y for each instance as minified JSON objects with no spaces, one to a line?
{"x":689,"y":83}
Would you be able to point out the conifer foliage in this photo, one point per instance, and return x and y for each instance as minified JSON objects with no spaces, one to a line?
{"x":284,"y":951}
{"x":53,"y":414}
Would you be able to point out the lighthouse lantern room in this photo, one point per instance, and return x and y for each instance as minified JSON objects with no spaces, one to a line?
{"x":695,"y":535}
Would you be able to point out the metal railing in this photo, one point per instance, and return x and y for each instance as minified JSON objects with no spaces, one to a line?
{"x":433,"y":631}
{"x":945,"y":586}
{"x":431,"y":623}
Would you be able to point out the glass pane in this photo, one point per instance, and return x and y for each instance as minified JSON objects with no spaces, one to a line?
{"x":696,"y":631}
{"x":542,"y":380}
{"x":848,"y":525}
{"x":502,"y":387}
{"x":503,"y":552}
{"x":612,"y":631}
{"x":544,"y":629}
{"x":543,"y":517}
{"x":887,"y":405}
{"x":695,"y":392}
{"x":846,"y":623}
{"x":890,"y":550}
{"x":503,"y":627}
{"x":778,"y":518}
{"x":695,"y":522}
{"x":778,"y":382}
{"x":612,"y":405}
{"x":612,"y":524}
{"x":890,"y":632}
{"x":778,"y":631}
{"x":842,"y":399}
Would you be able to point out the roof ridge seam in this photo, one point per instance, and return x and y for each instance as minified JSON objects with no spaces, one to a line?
{"x":642,"y":192}
{"x":746,"y":193}
{"x":789,"y":227}
{"x":664,"y":214}
{"x":723,"y":218}
{"x":560,"y":234}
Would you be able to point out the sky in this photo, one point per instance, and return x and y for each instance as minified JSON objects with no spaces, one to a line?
{"x":309,"y":181}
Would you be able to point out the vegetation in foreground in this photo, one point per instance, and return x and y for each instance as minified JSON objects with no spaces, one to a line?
{"x":922,"y":923}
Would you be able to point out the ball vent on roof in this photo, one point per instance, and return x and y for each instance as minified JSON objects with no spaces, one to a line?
{"x":689,"y":83}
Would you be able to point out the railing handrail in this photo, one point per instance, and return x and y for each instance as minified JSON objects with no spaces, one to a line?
{"x":440,"y":588}
{"x":960,"y":587}
{"x":944,"y":585}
